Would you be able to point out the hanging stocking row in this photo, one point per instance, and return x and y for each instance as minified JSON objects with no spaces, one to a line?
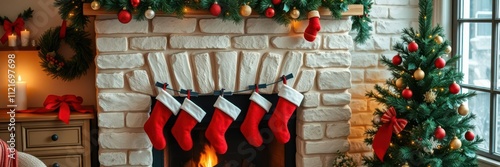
{"x":225,"y":113}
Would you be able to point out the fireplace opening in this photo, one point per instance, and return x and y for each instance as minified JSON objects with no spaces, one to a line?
{"x":240,"y":153}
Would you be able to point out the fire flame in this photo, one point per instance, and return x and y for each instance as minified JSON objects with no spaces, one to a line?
{"x":208,"y":157}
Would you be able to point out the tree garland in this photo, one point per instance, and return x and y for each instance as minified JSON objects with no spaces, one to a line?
{"x":230,"y":10}
{"x":56,"y":64}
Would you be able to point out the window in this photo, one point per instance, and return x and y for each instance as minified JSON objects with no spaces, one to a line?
{"x":476,"y":38}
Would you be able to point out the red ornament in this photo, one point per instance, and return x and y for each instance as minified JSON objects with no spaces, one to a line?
{"x":396,"y":60}
{"x":124,"y":16}
{"x":439,"y":133}
{"x":469,"y":135}
{"x":276,"y":2}
{"x":412,"y":46}
{"x":135,"y":3}
{"x":454,"y":88}
{"x":407,"y":93}
{"x":439,"y":63}
{"x":215,"y":9}
{"x":269,"y":12}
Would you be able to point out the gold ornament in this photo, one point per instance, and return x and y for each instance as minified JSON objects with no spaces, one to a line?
{"x":418,"y":35}
{"x":406,"y":165}
{"x":95,"y":5}
{"x":448,"y":49}
{"x":455,"y":143}
{"x":245,"y":10}
{"x":463,"y":110}
{"x":438,"y":39}
{"x":430,"y":96}
{"x":295,"y":13}
{"x":399,"y":82}
{"x":419,"y":74}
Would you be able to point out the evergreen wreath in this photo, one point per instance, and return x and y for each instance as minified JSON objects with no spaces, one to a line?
{"x":55,"y":64}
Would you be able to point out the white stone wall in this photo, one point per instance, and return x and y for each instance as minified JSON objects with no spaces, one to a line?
{"x":207,"y":54}
{"x":389,"y":18}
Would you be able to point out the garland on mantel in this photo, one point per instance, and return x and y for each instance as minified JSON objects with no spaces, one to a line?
{"x":281,"y":11}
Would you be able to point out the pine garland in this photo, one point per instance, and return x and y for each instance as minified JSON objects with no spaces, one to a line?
{"x":26,"y":14}
{"x":55,"y":64}
{"x":230,"y":10}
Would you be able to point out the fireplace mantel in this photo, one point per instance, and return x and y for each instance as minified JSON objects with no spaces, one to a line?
{"x":354,"y":10}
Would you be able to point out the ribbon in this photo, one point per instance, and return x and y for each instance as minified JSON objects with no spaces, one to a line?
{"x":62,"y":31}
{"x":382,"y":138}
{"x":64,"y":103}
{"x":17,"y":25}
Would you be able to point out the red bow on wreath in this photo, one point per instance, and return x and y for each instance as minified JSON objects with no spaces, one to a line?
{"x":18,"y":26}
{"x":64,"y":103}
{"x":382,"y":139}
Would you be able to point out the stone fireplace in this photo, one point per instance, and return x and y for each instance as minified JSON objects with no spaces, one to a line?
{"x":206,"y":54}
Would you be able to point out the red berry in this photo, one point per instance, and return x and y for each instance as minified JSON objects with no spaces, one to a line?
{"x":439,"y":63}
{"x":454,"y":88}
{"x":412,"y":46}
{"x":469,"y":135}
{"x":407,"y":93}
{"x":439,"y":133}
{"x":396,"y":60}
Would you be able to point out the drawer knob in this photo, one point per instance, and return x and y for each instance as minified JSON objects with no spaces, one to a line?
{"x":54,"y":137}
{"x":56,"y":165}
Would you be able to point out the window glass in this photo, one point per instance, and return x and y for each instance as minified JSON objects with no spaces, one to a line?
{"x":497,"y":126}
{"x":476,"y":53}
{"x":476,"y":9}
{"x":480,"y":106}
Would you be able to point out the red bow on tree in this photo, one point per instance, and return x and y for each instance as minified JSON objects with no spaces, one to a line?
{"x":64,"y":103}
{"x":18,"y":26}
{"x":382,"y":139}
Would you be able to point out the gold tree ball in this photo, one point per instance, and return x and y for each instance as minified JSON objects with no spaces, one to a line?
{"x":295,"y":13}
{"x":463,"y":110}
{"x":438,"y":39}
{"x":406,"y":165}
{"x":455,"y":143}
{"x":245,"y":10}
{"x":95,"y":5}
{"x":448,"y":49}
{"x":399,"y":82}
{"x":419,"y":74}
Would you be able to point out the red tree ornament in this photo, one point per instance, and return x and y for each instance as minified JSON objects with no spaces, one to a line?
{"x":215,"y":9}
{"x":454,"y":88}
{"x":276,"y":2}
{"x":135,"y":3}
{"x":269,"y":12}
{"x":412,"y":46}
{"x":124,"y":16}
{"x":396,"y":60}
{"x":439,"y":63}
{"x":469,"y":135}
{"x":407,"y":93}
{"x":439,"y":133}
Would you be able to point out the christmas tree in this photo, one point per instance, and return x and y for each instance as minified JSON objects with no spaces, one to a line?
{"x":424,"y":121}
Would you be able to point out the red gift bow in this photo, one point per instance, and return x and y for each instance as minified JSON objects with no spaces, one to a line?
{"x":64,"y":103}
{"x":18,"y":26}
{"x":382,"y":139}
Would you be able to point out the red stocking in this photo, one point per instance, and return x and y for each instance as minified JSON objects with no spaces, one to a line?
{"x":225,"y":113}
{"x":250,"y":127}
{"x":313,"y":27}
{"x":165,"y":106}
{"x":289,"y":100}
{"x":189,"y":116}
